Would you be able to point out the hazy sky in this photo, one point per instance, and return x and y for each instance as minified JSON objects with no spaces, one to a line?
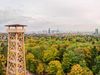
{"x":65,"y":15}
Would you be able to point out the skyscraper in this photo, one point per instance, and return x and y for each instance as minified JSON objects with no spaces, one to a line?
{"x":96,"y":31}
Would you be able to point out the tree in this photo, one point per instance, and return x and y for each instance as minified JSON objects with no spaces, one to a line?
{"x":78,"y":70}
{"x":55,"y":68}
{"x":2,"y":64}
{"x":70,"y":58}
{"x":50,"y":54}
{"x":37,"y":52}
{"x":30,"y":65}
{"x":98,"y":64}
{"x":96,"y":67}
{"x":40,"y":68}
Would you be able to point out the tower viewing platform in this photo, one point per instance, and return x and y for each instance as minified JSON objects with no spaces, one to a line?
{"x":15,"y":28}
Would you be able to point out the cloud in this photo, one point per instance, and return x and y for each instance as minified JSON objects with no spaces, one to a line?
{"x":68,"y":15}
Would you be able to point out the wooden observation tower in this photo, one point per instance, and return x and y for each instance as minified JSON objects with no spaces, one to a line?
{"x":16,"y":52}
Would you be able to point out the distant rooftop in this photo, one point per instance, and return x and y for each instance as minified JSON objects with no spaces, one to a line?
{"x":15,"y":25}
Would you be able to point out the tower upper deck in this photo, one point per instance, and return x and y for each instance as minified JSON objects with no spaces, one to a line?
{"x":15,"y":28}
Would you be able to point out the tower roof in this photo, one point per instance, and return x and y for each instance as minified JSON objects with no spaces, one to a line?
{"x":15,"y":25}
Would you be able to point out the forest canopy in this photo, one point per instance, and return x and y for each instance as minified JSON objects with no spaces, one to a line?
{"x":53,"y":55}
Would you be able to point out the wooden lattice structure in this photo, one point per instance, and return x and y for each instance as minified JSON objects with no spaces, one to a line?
{"x":16,"y":52}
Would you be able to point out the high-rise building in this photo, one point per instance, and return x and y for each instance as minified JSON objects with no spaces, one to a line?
{"x":49,"y":31}
{"x":16,"y":52}
{"x":96,"y":31}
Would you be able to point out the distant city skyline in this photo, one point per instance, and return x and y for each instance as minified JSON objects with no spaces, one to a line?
{"x":65,"y":15}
